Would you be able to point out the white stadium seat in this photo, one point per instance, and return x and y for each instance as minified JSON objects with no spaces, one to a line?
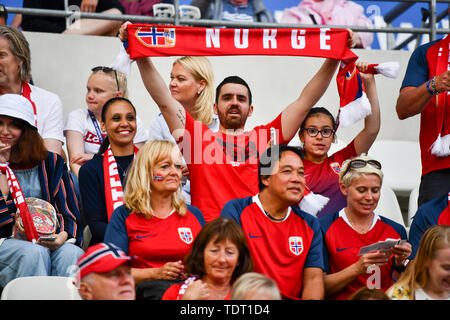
{"x":400,"y":162}
{"x":412,"y":205}
{"x":388,"y":205}
{"x":41,"y":288}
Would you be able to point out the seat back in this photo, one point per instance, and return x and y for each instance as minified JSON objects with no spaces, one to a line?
{"x":401,"y":163}
{"x":388,"y":205}
{"x":412,"y":205}
{"x":41,"y":288}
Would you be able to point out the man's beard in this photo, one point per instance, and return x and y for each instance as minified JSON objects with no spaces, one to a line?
{"x":233,"y":123}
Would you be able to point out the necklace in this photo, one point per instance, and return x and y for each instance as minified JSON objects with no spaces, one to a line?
{"x":124,"y":172}
{"x":273,"y":218}
{"x":362,"y":230}
{"x":223,"y":294}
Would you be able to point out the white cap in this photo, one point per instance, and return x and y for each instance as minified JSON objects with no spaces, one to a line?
{"x":17,"y":106}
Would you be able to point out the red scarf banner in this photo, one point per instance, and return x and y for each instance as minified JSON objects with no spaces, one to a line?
{"x":159,"y":40}
{"x":113,"y":185}
{"x":19,"y":201}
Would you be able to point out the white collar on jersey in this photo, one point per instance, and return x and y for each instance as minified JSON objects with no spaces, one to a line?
{"x":256,"y":200}
{"x":343,"y":215}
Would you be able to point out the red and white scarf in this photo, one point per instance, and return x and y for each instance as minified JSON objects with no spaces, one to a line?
{"x":159,"y":40}
{"x":441,"y":146}
{"x":26,"y":92}
{"x":19,"y":201}
{"x":113,"y":185}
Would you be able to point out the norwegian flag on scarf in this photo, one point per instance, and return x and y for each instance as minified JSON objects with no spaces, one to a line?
{"x":158,"y":40}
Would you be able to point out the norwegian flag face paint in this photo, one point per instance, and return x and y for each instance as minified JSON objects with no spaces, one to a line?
{"x":158,"y":177}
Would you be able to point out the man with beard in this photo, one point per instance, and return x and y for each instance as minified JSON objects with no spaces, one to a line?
{"x":224,"y":165}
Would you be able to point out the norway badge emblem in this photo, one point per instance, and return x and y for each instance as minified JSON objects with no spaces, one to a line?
{"x":185,"y":235}
{"x":156,"y":37}
{"x":296,"y":245}
{"x":336,"y":167}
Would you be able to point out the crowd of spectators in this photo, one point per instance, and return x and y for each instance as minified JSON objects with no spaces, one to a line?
{"x":166,"y":227}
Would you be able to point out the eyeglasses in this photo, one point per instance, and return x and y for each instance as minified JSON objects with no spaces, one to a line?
{"x":359,"y":163}
{"x":312,"y":132}
{"x":107,"y":70}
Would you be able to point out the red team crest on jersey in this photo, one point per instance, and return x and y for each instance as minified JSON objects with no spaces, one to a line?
{"x":185,"y":235}
{"x":296,"y":245}
{"x":336,"y":167}
{"x":156,"y":37}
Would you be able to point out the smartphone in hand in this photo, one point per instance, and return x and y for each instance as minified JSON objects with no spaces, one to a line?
{"x":47,"y":238}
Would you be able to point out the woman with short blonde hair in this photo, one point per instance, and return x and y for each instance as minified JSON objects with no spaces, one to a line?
{"x":357,"y":226}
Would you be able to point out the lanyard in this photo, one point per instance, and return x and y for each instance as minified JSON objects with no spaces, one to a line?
{"x":96,"y":126}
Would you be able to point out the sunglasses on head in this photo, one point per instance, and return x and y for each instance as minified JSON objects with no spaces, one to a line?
{"x":359,"y":163}
{"x":107,"y":70}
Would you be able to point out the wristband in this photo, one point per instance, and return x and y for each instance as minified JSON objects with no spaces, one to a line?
{"x":399,"y":268}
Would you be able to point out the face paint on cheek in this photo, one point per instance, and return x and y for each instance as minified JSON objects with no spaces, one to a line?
{"x":157,"y":177}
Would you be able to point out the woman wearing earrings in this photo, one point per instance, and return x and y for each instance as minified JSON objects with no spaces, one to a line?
{"x":192,"y":84}
{"x":318,"y":132}
{"x":102,"y":177}
{"x":82,"y":129}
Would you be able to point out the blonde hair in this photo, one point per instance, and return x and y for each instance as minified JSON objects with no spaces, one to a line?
{"x":435,"y":238}
{"x":121,"y":79}
{"x":137,"y":192}
{"x":201,"y":69}
{"x":347,"y":175}
{"x":254,"y":282}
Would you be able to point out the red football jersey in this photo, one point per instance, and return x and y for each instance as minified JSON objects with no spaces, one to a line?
{"x":159,"y":241}
{"x":342,"y":245}
{"x":279,"y":250}
{"x":223,"y":167}
{"x":323,"y":178}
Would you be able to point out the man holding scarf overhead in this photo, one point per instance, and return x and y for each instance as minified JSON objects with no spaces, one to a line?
{"x":223,"y":165}
{"x":424,"y":91}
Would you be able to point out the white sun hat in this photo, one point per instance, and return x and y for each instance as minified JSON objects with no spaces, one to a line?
{"x":17,"y":106}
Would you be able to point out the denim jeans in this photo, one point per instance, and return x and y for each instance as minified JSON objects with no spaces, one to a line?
{"x":19,"y":258}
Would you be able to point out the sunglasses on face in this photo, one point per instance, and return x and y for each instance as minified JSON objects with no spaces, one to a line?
{"x":358,"y":163}
{"x":313,"y":132}
{"x":107,"y":70}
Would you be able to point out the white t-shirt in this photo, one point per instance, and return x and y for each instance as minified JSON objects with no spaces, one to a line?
{"x":80,"y":121}
{"x":49,"y":112}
